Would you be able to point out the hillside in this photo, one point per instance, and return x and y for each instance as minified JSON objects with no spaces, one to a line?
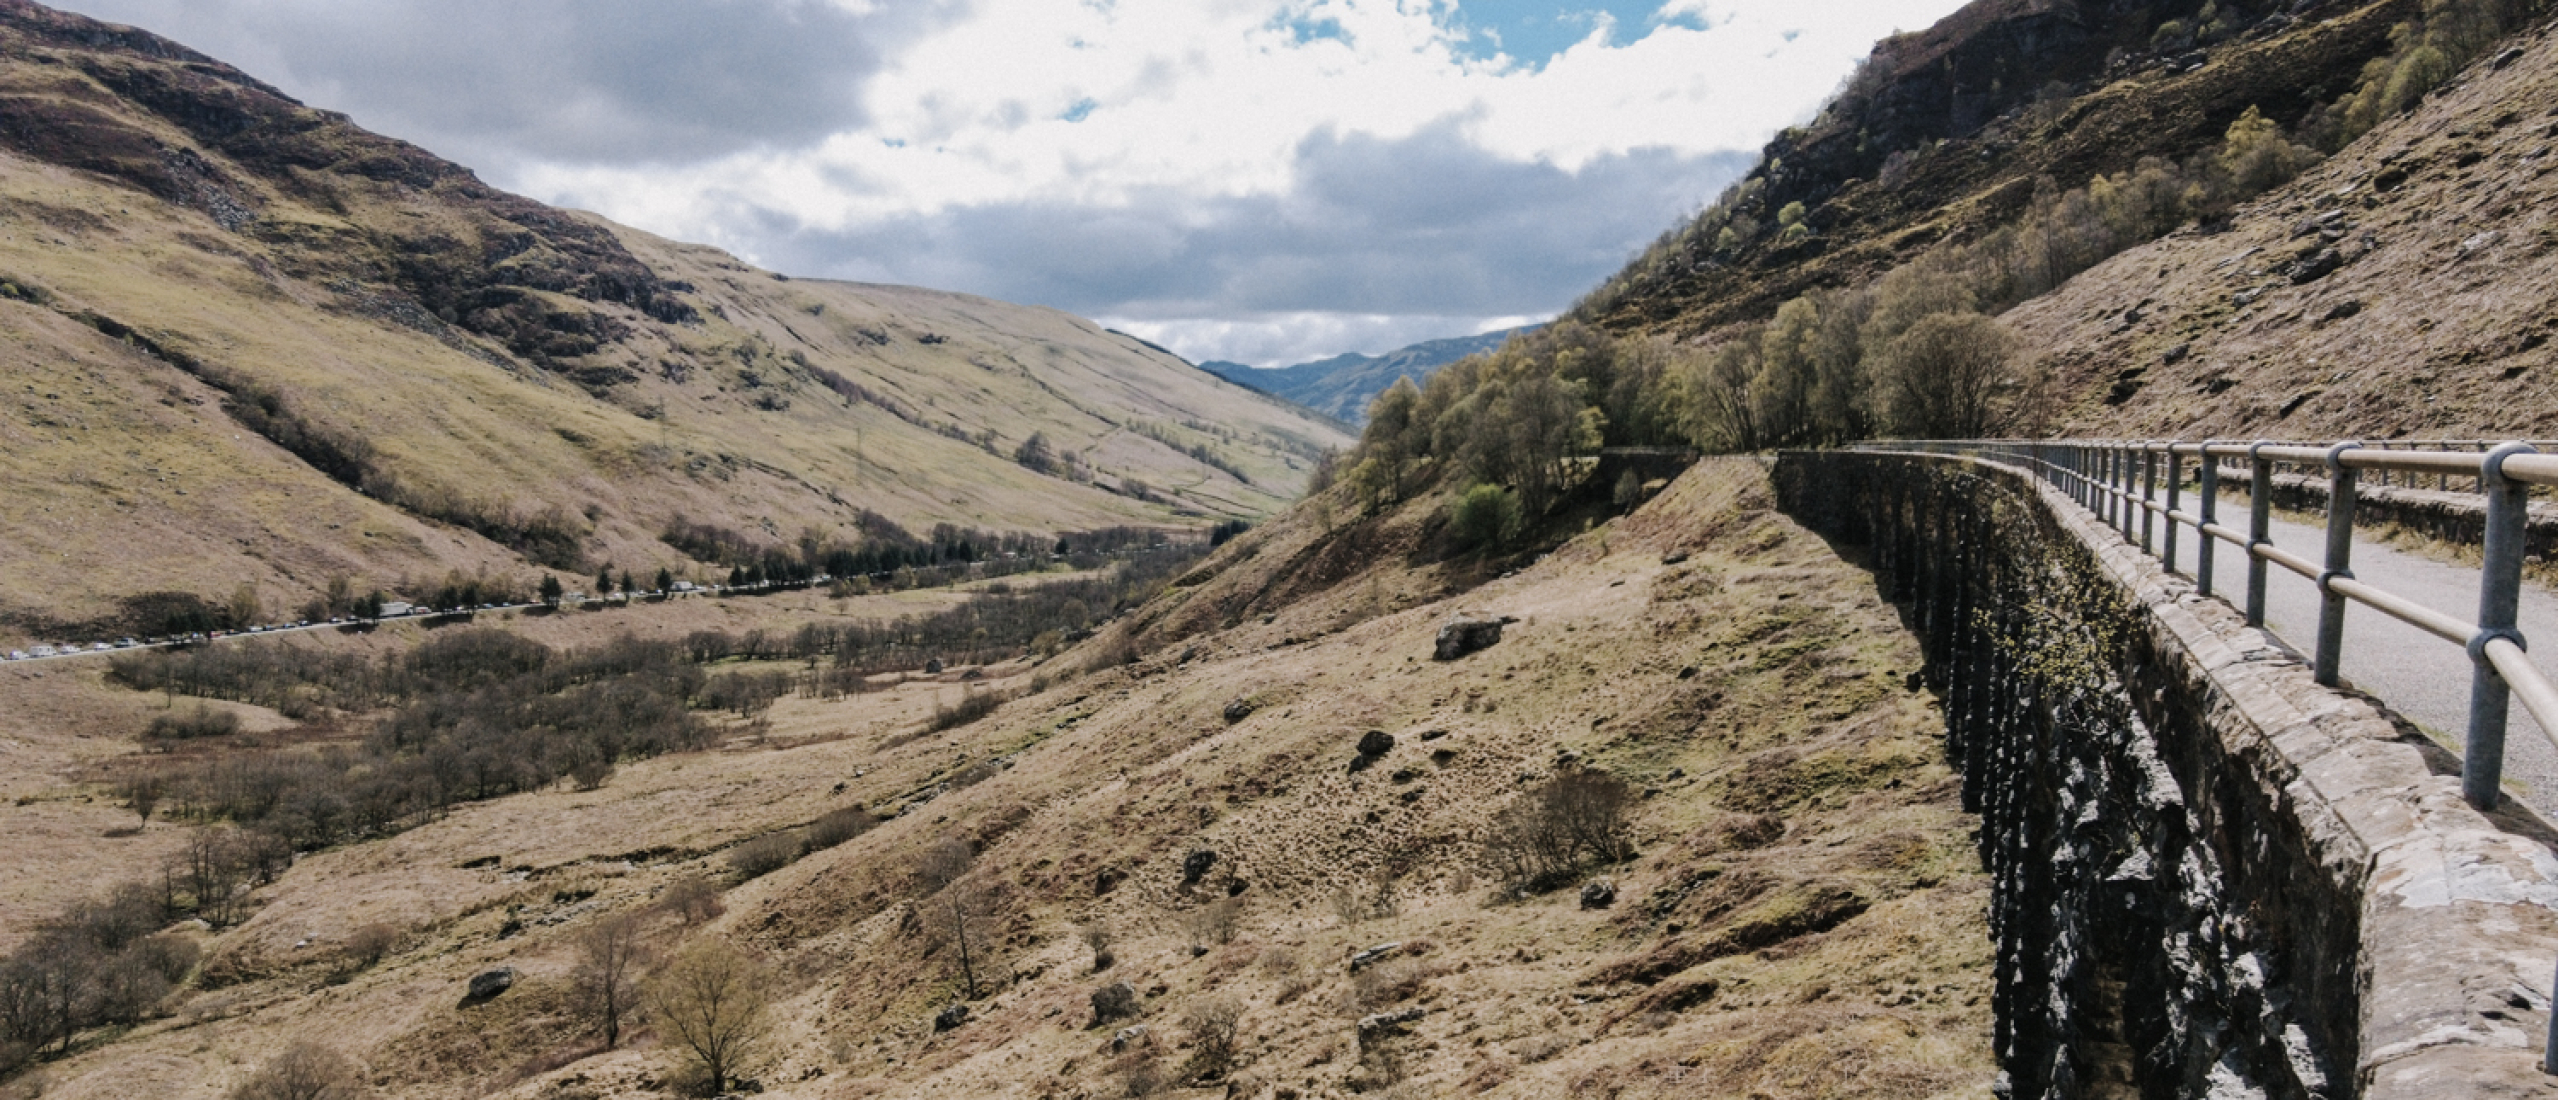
{"x":2427,"y":316}
{"x":1345,"y":385}
{"x":251,"y":344}
{"x":1943,"y":135}
{"x":1802,"y":913}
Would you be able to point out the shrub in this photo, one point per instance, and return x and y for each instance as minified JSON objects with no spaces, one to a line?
{"x":203,"y":721}
{"x":1215,"y":924}
{"x":693,"y":900}
{"x":305,"y":1071}
{"x":1485,"y":517}
{"x":1213,"y":1023}
{"x":764,"y":854}
{"x":973,"y":705}
{"x":1548,"y":832}
{"x":369,"y":944}
{"x":838,"y":826}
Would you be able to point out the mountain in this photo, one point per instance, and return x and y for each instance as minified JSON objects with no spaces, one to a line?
{"x":1946,"y":134}
{"x":251,"y":344}
{"x":1344,"y":385}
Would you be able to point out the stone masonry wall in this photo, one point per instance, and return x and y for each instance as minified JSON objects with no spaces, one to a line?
{"x":2213,"y":877}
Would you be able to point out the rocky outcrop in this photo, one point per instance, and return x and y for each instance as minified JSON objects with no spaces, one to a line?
{"x":1464,"y":634}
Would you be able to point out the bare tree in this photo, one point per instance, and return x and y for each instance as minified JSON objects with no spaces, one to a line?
{"x":142,"y":791}
{"x":606,"y":981}
{"x":305,"y":1071}
{"x":1213,"y":1024}
{"x":712,"y":1002}
{"x":693,"y":900}
{"x":368,"y":944}
{"x":941,"y":875}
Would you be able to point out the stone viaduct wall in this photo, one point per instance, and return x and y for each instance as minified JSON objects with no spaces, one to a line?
{"x":2213,"y":878}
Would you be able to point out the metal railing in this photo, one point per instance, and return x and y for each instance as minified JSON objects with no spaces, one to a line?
{"x":2134,"y":485}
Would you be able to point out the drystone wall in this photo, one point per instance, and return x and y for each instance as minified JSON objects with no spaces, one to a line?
{"x":2213,"y":878}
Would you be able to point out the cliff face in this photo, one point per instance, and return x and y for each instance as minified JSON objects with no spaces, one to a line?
{"x":1945,"y":132}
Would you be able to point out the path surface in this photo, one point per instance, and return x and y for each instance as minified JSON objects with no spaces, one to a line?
{"x":2418,"y":675}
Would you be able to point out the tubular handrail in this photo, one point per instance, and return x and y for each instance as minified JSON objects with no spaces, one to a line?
{"x":2120,"y":481}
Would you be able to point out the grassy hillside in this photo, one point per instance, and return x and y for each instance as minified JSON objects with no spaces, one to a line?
{"x":249,"y":343}
{"x":2431,"y":322}
{"x":1800,"y":915}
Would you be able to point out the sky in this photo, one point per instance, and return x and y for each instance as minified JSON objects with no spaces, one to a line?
{"x":1263,"y":181}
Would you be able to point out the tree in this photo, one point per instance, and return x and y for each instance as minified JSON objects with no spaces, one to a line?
{"x":245,"y":609}
{"x":604,"y":580}
{"x":1781,"y":392}
{"x":1035,"y":454}
{"x":551,"y":590}
{"x":1213,"y":1023}
{"x":305,"y":1071}
{"x":941,"y":875}
{"x":1941,"y":379}
{"x":665,"y":580}
{"x":142,"y":791}
{"x":606,"y":981}
{"x":712,"y":1004}
{"x":1485,"y":517}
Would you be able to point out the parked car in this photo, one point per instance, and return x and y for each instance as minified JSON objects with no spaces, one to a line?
{"x":17,"y":655}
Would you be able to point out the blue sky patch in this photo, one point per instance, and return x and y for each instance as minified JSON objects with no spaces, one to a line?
{"x":1080,"y":111}
{"x":1533,"y":31}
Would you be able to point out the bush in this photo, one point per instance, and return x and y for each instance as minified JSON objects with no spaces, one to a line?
{"x":838,"y":826}
{"x":369,"y":945}
{"x":1485,"y":517}
{"x":203,"y":721}
{"x":1547,"y":833}
{"x":1213,"y":1023}
{"x":693,"y":900}
{"x":764,"y":854}
{"x":972,"y":706}
{"x":305,"y":1071}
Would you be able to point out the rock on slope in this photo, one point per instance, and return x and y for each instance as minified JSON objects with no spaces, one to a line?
{"x":1804,"y":916}
{"x":2400,"y":289}
{"x":248,"y":342}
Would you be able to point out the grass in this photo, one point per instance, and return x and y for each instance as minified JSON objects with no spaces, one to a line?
{"x":1866,"y":972}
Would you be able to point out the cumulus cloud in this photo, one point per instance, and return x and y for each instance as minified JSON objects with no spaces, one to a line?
{"x":1219,"y":173}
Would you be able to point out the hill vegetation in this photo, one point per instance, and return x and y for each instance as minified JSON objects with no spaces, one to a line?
{"x":253,"y":345}
{"x":1985,"y":163}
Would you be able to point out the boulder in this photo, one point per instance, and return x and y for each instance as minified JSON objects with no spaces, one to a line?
{"x":1383,"y":1024}
{"x":1464,"y":634}
{"x":1376,"y":743}
{"x":1195,"y":866}
{"x":933,"y":667}
{"x":1371,"y":956}
{"x":1115,"y":1001}
{"x":1126,"y":1037}
{"x":951,"y":1017}
{"x":488,"y":984}
{"x":1239,"y":710}
{"x":1598,"y":893}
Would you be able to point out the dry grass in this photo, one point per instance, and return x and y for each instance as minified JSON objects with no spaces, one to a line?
{"x":1119,"y":774}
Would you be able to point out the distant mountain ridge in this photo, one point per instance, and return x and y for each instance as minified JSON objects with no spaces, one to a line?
{"x":1344,"y":385}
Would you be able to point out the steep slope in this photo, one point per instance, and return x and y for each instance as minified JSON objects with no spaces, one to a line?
{"x":2398,"y":290}
{"x":251,"y":344}
{"x":1345,"y":385}
{"x":1944,"y":134}
{"x":1803,"y":915}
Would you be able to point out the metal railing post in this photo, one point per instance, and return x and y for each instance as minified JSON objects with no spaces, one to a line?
{"x":2260,"y":522}
{"x":2175,"y":491}
{"x":2338,"y":563}
{"x":2207,"y":548}
{"x":2499,"y":591}
{"x":2149,"y":496}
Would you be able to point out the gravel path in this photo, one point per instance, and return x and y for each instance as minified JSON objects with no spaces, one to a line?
{"x":2420,"y":676}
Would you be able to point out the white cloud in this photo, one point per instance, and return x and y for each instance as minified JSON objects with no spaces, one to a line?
{"x":1186,"y":164}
